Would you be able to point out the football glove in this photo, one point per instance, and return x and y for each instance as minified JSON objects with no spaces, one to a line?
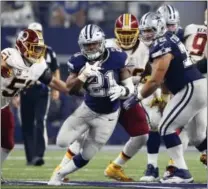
{"x":89,"y":71}
{"x":117,"y":91}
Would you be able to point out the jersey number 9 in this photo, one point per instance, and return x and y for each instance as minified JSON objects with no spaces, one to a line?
{"x":199,"y":44}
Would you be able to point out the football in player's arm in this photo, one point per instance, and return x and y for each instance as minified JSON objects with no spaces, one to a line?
{"x":76,"y":81}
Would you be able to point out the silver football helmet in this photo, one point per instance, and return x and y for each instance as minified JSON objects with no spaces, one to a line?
{"x":171,"y":16}
{"x":92,"y":42}
{"x":152,"y":25}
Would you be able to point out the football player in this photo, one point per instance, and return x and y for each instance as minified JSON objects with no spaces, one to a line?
{"x":172,"y":18}
{"x":134,"y":120}
{"x":195,"y":40}
{"x":173,"y":67}
{"x":20,"y":68}
{"x":103,"y":73}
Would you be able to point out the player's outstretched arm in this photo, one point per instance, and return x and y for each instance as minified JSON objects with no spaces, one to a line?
{"x":74,"y":84}
{"x":48,"y":79}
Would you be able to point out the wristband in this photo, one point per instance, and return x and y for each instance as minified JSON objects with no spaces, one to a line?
{"x":139,"y":96}
{"x":82,"y":78}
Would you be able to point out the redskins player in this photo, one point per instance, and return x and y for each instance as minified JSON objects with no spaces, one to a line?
{"x":20,"y":68}
{"x":195,"y":40}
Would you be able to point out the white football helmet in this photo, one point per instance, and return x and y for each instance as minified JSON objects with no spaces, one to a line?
{"x":152,"y":25}
{"x":171,"y":16}
{"x":92,"y":42}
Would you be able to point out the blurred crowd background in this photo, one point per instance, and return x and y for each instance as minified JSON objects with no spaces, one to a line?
{"x":62,"y":22}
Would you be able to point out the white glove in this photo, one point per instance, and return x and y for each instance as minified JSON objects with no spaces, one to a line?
{"x":89,"y":71}
{"x":116,"y":92}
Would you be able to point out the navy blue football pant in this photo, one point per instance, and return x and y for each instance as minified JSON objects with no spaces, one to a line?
{"x":35,"y":103}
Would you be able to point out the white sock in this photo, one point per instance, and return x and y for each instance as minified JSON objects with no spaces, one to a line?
{"x":66,"y":159}
{"x":176,"y":153}
{"x":121,"y":159}
{"x":4,"y":154}
{"x":70,"y":167}
{"x":152,"y":159}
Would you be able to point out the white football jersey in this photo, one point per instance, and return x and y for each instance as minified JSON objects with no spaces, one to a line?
{"x":22,"y":75}
{"x":196,"y":41}
{"x":137,"y":58}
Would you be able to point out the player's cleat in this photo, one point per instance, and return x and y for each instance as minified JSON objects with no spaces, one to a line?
{"x":116,"y":172}
{"x":169,"y":169}
{"x":151,"y":174}
{"x":203,"y":158}
{"x":177,"y":176}
{"x":56,"y":178}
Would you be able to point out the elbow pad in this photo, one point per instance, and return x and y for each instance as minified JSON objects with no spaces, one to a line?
{"x":128,"y":84}
{"x":46,"y":77}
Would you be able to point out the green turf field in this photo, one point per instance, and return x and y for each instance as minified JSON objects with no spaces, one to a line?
{"x":15,"y":168}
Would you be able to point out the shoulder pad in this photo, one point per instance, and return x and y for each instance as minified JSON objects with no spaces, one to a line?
{"x":119,"y":56}
{"x":111,"y":43}
{"x":189,"y":29}
{"x":39,"y":68}
{"x":76,"y":62}
{"x":12,"y":57}
{"x":160,"y":47}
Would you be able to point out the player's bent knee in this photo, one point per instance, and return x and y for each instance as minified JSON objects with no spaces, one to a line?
{"x":62,"y":141}
{"x":90,"y":149}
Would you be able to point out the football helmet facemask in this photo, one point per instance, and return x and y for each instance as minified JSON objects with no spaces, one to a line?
{"x":92,"y":42}
{"x":30,"y":44}
{"x":126,"y":30}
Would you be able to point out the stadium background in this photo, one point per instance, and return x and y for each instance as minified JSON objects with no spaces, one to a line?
{"x":62,"y":22}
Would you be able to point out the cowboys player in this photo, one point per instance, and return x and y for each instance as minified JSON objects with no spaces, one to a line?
{"x":172,"y":18}
{"x":103,"y":73}
{"x":172,"y":66}
{"x":133,"y":120}
{"x":21,"y":67}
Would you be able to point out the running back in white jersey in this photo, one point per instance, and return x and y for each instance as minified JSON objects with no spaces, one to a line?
{"x":196,"y":41}
{"x":22,"y":75}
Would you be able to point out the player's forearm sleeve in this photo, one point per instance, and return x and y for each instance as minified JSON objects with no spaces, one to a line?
{"x":46,"y":77}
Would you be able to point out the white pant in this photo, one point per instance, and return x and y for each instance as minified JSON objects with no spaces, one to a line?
{"x":153,"y":116}
{"x":187,"y":107}
{"x":100,"y":127}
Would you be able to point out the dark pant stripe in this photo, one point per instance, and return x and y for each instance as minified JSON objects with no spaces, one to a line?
{"x":174,"y":109}
{"x":181,"y":109}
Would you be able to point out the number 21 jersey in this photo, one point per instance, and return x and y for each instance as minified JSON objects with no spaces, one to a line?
{"x":97,"y":88}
